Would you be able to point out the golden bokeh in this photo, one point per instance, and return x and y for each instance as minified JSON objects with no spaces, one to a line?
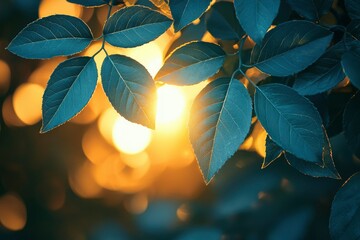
{"x":5,"y":75}
{"x":12,"y":212}
{"x":27,"y":102}
{"x":51,"y":7}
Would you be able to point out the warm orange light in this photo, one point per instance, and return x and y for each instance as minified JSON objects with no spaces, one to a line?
{"x":12,"y":212}
{"x":170,"y":105}
{"x":4,"y":77}
{"x":51,"y":7}
{"x":129,"y":137}
{"x":106,"y":124}
{"x":27,"y":101}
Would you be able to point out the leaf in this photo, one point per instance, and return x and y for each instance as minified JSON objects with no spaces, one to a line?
{"x":57,"y":35}
{"x":314,"y":170}
{"x":290,"y":48}
{"x":324,"y":74}
{"x":353,"y":8}
{"x":130,"y":89}
{"x":191,"y":63}
{"x":68,"y":91}
{"x":345,"y":210}
{"x":311,"y":9}
{"x":89,"y":3}
{"x":222,"y":22}
{"x":350,"y":61}
{"x":256,"y":16}
{"x":273,"y":152}
{"x":200,"y":233}
{"x":354,"y":29}
{"x":219,"y":122}
{"x":186,"y":11}
{"x":134,"y":26}
{"x":291,"y":121}
{"x":351,"y":124}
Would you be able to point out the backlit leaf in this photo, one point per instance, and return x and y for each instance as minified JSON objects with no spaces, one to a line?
{"x":353,"y":8}
{"x":222,"y":22}
{"x":256,"y":16}
{"x":57,"y":35}
{"x":311,"y":9}
{"x":324,"y":74}
{"x":345,"y":210}
{"x":290,"y":48}
{"x":219,"y":122}
{"x":68,"y":91}
{"x":134,"y":26}
{"x":130,"y":89}
{"x":291,"y":121}
{"x":186,"y":11}
{"x":351,"y":124}
{"x":351,"y":63}
{"x":191,"y":63}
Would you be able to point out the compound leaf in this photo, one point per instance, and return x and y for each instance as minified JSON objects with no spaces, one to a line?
{"x":68,"y":91}
{"x":324,"y":74}
{"x":134,"y":26}
{"x":130,"y":89}
{"x":345,"y":210}
{"x":219,"y":122}
{"x":57,"y":35}
{"x":186,"y":11}
{"x":222,"y":22}
{"x":311,"y":9}
{"x":291,"y":120}
{"x":350,"y":62}
{"x":191,"y":63}
{"x":353,"y":8}
{"x":351,"y":124}
{"x":290,"y":48}
{"x":256,"y":16}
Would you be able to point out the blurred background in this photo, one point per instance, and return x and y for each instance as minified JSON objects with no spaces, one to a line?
{"x":102,"y":177}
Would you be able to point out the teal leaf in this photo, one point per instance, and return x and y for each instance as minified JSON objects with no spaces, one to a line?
{"x":311,"y":9}
{"x":290,"y":48}
{"x":351,"y":62}
{"x":57,"y":35}
{"x":256,"y":16}
{"x":273,"y":152}
{"x":201,"y":233}
{"x":130,"y":89}
{"x":351,"y":126}
{"x":191,"y":63}
{"x":68,"y":91}
{"x":291,"y":121}
{"x":89,"y":3}
{"x":314,"y":170}
{"x":186,"y":11}
{"x":219,"y":121}
{"x":354,"y":29}
{"x":345,"y":210}
{"x":324,"y":74}
{"x":222,"y":22}
{"x":353,"y":8}
{"x":134,"y":26}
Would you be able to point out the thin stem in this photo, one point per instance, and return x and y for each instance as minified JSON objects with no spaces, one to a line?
{"x":252,"y":83}
{"x":102,"y":36}
{"x":242,"y":41}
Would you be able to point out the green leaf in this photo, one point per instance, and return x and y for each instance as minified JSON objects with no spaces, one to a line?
{"x":219,"y":122}
{"x":290,"y":48}
{"x":134,"y":26}
{"x":351,"y":126}
{"x":256,"y":16}
{"x":291,"y":121}
{"x":345,"y":210}
{"x":68,"y":91}
{"x":353,"y":8}
{"x":324,"y":74}
{"x":350,"y":62}
{"x":328,"y":170}
{"x":222,"y":22}
{"x":57,"y":35}
{"x":130,"y":89}
{"x":191,"y":63}
{"x":186,"y":11}
{"x":311,"y":9}
{"x":273,"y":152}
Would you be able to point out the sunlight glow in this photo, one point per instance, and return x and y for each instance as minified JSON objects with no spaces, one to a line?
{"x":129,"y":137}
{"x":171,"y":104}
